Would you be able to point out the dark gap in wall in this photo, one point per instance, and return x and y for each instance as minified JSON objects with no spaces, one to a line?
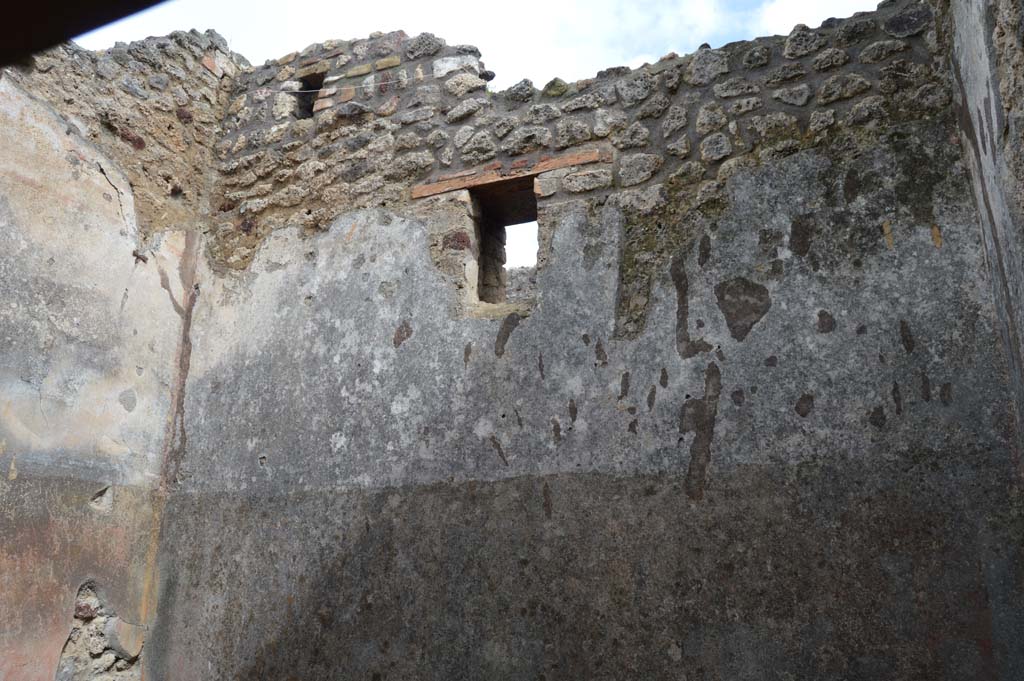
{"x":500,"y":205}
{"x":311,"y":86}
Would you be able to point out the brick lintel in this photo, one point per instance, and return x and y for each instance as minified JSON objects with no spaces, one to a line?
{"x":488,"y":174}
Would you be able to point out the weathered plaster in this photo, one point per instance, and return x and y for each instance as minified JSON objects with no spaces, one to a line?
{"x":88,"y":343}
{"x":755,"y":420}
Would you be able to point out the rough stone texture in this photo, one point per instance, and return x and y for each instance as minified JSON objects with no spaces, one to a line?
{"x":748,"y":418}
{"x":802,"y":42}
{"x":101,"y":645}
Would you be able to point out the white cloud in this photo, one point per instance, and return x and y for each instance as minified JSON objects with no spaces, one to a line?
{"x":778,"y":17}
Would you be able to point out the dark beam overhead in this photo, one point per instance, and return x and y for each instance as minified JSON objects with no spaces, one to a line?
{"x":39,"y":24}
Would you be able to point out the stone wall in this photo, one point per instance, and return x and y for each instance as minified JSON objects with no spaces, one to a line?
{"x":988,"y":61}
{"x":749,"y":418}
{"x":89,"y":355}
{"x":154,"y":107}
{"x":396,"y":110}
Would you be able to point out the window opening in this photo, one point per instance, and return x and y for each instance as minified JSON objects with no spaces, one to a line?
{"x":506,"y":225}
{"x":521,"y":261}
{"x":310,"y":89}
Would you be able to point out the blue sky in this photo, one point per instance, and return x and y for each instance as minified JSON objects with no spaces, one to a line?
{"x":536,"y":39}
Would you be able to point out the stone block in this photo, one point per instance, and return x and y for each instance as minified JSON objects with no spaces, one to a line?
{"x":637,"y":168}
{"x":319,"y":67}
{"x":360,"y":70}
{"x":587,"y":180}
{"x":462,"y":62}
{"x":387,"y":62}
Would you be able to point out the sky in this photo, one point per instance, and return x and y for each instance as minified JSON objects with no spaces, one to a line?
{"x":535,"y":39}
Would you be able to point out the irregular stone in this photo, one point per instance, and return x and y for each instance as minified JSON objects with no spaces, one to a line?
{"x":640,"y":201}
{"x":592,"y":100}
{"x":107,"y":68}
{"x":929,"y":97}
{"x":675,"y":120}
{"x":504,"y":126}
{"x":881,"y":50}
{"x":412,"y":115}
{"x":708,"y":191}
{"x":571,"y":131}
{"x":587,"y":180}
{"x":425,"y":95}
{"x":461,"y":84}
{"x":637,"y":168}
{"x":735,"y":166}
{"x":634,"y":90}
{"x":777,"y":150}
{"x":801,"y":42}
{"x":866,"y":110}
{"x":409,"y":166}
{"x":134,"y":87}
{"x":795,"y":96}
{"x":739,"y":107}
{"x":388,"y":106}
{"x":734,"y":87}
{"x":705,"y":66}
{"x":159,"y":81}
{"x":539,"y":114}
{"x":465,"y":109}
{"x":830,"y":59}
{"x":711,"y":117}
{"x":423,"y":45}
{"x":909,"y":21}
{"x":481,"y":147}
{"x":523,"y":91}
{"x":405,"y":141}
{"x":757,"y":56}
{"x":843,"y":86}
{"x":606,"y":121}
{"x":556,"y":87}
{"x":672,"y":78}
{"x":654,"y":107}
{"x":853,"y":31}
{"x":463,"y":135}
{"x":438,"y":139}
{"x":820,"y":120}
{"x":526,"y":139}
{"x":633,"y":137}
{"x":785,"y":73}
{"x":464,"y":63}
{"x":681,"y":147}
{"x":773,"y":125}
{"x":715,"y":147}
{"x":689,"y":172}
{"x":900,"y":75}
{"x":284,"y":106}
